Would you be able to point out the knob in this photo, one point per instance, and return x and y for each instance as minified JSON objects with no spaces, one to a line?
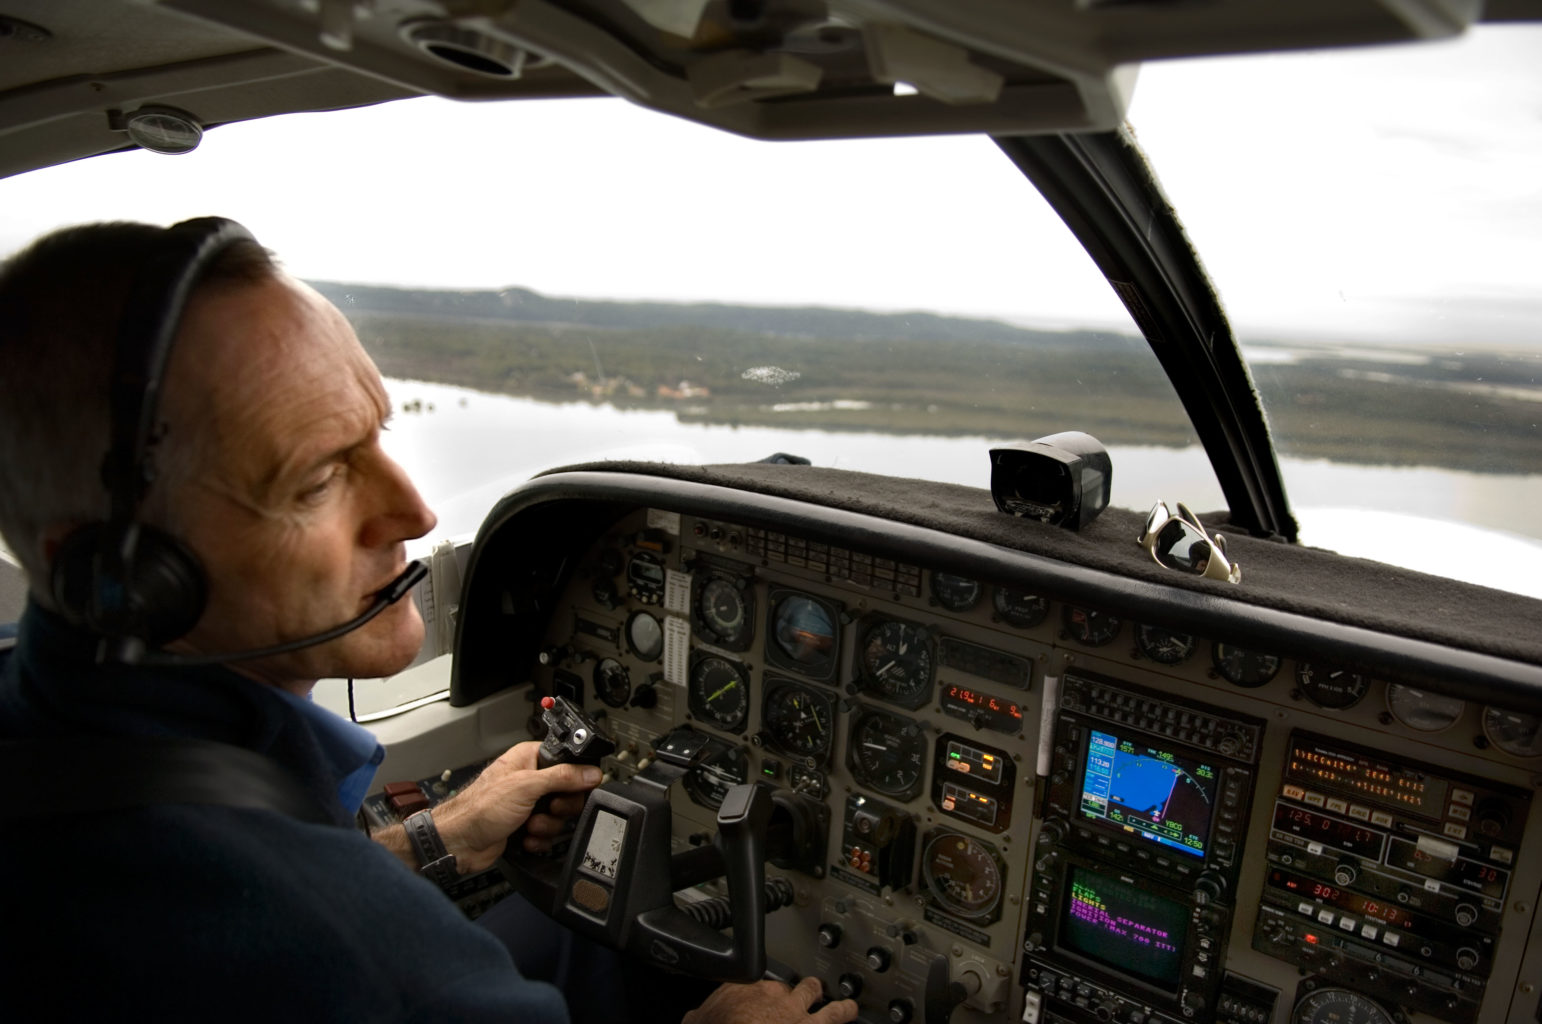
{"x":849,"y":986}
{"x":1466,"y":914}
{"x":829,"y":935}
{"x":1346,"y":872}
{"x":1493,"y":818}
{"x":1229,"y":744}
{"x":1467,"y":958}
{"x":1208,"y":888}
{"x":901,"y":1011}
{"x":1052,"y":833}
{"x":645,"y":696}
{"x":878,"y":959}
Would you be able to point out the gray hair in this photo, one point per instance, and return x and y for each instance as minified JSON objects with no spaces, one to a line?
{"x":61,"y":300}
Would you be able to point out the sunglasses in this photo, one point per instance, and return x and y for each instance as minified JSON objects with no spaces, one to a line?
{"x":1180,"y":542}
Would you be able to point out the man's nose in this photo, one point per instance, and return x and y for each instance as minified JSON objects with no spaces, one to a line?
{"x":401,"y":514}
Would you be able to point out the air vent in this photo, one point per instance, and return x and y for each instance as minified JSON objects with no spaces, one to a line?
{"x":468,"y":50}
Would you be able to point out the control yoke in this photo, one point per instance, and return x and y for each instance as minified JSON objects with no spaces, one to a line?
{"x":617,"y":884}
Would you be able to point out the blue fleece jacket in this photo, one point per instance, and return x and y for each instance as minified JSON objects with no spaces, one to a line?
{"x":181,"y":912}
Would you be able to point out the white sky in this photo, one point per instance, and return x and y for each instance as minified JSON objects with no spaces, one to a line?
{"x":1395,"y":193}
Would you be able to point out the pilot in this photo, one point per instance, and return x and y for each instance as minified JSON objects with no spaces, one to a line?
{"x":270,"y":471}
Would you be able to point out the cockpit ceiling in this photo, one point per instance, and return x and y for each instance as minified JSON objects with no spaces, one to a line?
{"x":775,"y":69}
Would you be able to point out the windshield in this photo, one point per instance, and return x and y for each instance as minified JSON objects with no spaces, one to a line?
{"x":1373,"y":222}
{"x":553,"y":282}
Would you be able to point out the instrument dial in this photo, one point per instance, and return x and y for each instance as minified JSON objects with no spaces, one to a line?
{"x":1018,"y":608}
{"x":800,"y":721}
{"x":1242,"y":667}
{"x":1515,"y":732}
{"x":1330,"y":686}
{"x":645,"y":635}
{"x":1339,"y":1006}
{"x":955,"y":593}
{"x":709,"y":782}
{"x":1421,"y":710}
{"x":887,"y":753}
{"x":803,"y":634}
{"x":1089,"y":627}
{"x":724,"y":613}
{"x":1163,"y":646}
{"x":719,"y":692}
{"x":964,"y":874}
{"x":612,"y":682}
{"x":897,"y":662}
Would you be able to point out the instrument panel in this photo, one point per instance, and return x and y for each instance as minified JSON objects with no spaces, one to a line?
{"x":1041,"y":810}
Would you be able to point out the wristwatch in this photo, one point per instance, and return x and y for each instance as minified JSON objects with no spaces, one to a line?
{"x":435,"y":863}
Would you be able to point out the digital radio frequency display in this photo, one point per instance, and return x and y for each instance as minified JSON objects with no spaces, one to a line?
{"x":1152,"y":793}
{"x":1115,"y":923}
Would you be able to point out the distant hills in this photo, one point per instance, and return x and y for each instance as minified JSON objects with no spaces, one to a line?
{"x":521,"y":305}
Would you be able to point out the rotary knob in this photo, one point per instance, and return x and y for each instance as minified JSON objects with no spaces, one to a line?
{"x":878,"y":959}
{"x":849,"y":986}
{"x":1346,"y":872}
{"x":829,"y":935}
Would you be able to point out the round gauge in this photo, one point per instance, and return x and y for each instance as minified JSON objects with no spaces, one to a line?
{"x":1242,"y":667}
{"x":645,"y":635}
{"x":1164,"y":646}
{"x":887,"y":753}
{"x":709,"y":782}
{"x":804,"y":630}
{"x":1018,"y":608}
{"x":1329,"y":686}
{"x":799,"y":721}
{"x":1090,"y":628}
{"x":612,"y":683}
{"x":719,"y":692}
{"x":1514,"y":732}
{"x":1338,"y":1006}
{"x":955,"y":593}
{"x":723,"y":611}
{"x":1421,"y":710}
{"x":645,"y":577}
{"x":897,"y":660}
{"x":964,"y":874}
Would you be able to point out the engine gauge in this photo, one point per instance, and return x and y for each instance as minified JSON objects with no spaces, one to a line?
{"x":955,"y":593}
{"x":1421,"y":710}
{"x":1330,"y":686}
{"x":719,"y":692}
{"x":612,"y":682}
{"x":1338,"y":1006}
{"x":887,"y":753}
{"x":1089,"y":627}
{"x":1242,"y":667}
{"x":725,"y":612}
{"x":965,"y":875}
{"x":804,"y":633}
{"x":1515,"y":732}
{"x":799,"y":721}
{"x":897,"y":662}
{"x":645,"y":636}
{"x":709,"y":782}
{"x":1018,"y":608}
{"x":1163,"y":646}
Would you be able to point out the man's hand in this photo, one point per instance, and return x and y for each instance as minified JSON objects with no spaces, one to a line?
{"x":477,"y":822}
{"x":771,"y":1002}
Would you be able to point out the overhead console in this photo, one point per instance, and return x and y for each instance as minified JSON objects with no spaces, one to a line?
{"x":1004,"y":788}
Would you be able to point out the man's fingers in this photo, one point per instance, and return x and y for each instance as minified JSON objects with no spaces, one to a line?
{"x":808,"y":991}
{"x":839,"y":1012}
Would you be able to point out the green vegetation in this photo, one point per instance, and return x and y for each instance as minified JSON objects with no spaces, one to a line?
{"x":921,"y":373}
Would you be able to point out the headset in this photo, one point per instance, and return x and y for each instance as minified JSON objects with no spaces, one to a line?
{"x":137,"y":587}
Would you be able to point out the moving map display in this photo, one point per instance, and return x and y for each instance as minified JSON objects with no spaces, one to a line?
{"x":1152,"y":793}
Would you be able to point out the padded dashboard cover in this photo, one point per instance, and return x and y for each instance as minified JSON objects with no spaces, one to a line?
{"x":1307,"y":581}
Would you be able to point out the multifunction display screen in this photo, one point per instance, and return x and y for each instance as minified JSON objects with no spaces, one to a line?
{"x":1113,"y":922}
{"x":1155,"y":794}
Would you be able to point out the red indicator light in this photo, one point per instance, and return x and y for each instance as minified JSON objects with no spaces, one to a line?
{"x":1310,"y":938}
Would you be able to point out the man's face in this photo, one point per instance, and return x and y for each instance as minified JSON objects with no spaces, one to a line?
{"x":300,"y":517}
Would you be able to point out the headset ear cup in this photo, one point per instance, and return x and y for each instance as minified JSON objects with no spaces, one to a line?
{"x":159,"y":596}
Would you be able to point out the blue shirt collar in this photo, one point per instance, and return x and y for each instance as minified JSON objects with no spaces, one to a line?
{"x":351,"y":750}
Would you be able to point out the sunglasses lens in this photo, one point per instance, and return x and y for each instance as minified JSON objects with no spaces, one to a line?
{"x":1180,"y":546}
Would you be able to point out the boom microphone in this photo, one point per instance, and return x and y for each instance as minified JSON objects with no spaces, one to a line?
{"x":384,"y":598}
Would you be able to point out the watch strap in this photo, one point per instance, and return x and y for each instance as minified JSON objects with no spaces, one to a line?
{"x":435,"y":862}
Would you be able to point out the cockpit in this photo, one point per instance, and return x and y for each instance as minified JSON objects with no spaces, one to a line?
{"x":829,"y":501}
